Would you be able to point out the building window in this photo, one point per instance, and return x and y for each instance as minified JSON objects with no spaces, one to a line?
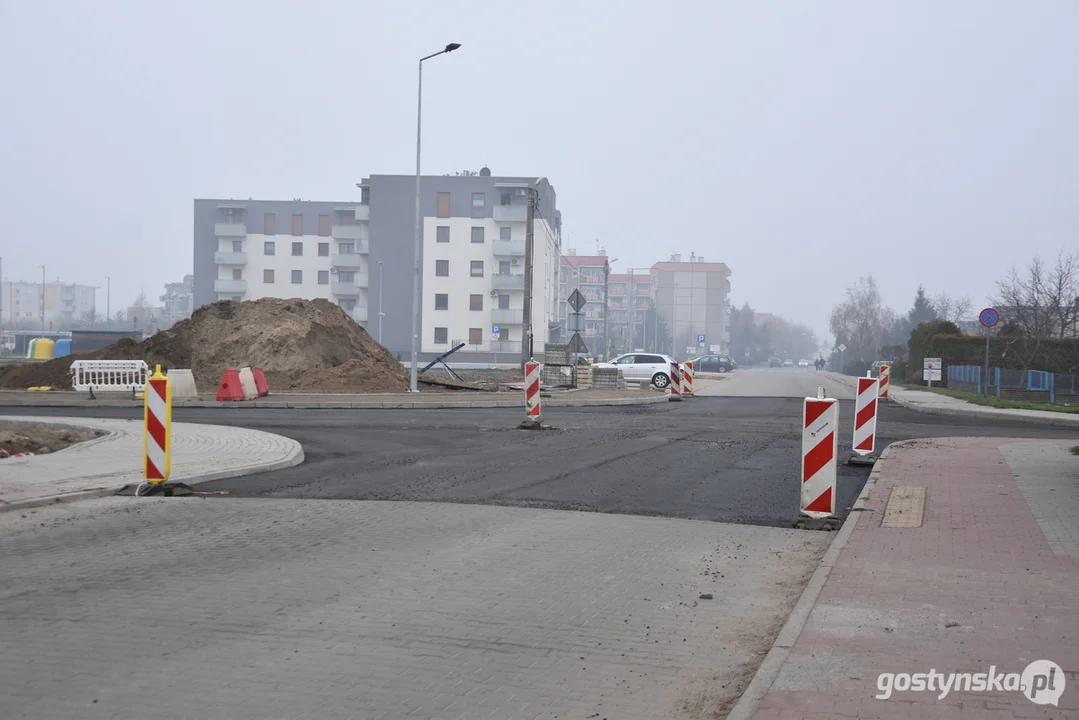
{"x":505,"y":233}
{"x":503,"y":302}
{"x":237,"y":246}
{"x":477,"y":234}
{"x":297,"y":277}
{"x":346,"y":248}
{"x":503,"y":333}
{"x":346,"y":277}
{"x":347,"y":304}
{"x":268,"y":247}
{"x":503,"y":267}
{"x":324,"y":225}
{"x":442,"y":336}
{"x":297,"y":224}
{"x":269,"y":224}
{"x":323,"y":277}
{"x":442,"y":268}
{"x":442,"y":233}
{"x":506,"y":198}
{"x":323,"y":249}
{"x":478,"y":204}
{"x":297,"y":249}
{"x":442,"y":301}
{"x":237,"y":274}
{"x":475,"y":336}
{"x":267,"y":277}
{"x":475,"y":302}
{"x":443,"y":205}
{"x":477,"y":268}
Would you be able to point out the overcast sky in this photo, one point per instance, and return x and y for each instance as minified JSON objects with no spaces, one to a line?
{"x":802,"y":143}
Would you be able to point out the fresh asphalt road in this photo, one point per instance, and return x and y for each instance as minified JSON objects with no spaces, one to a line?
{"x":732,"y":454}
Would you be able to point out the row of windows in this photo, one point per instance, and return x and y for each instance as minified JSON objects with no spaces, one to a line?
{"x":269,"y":224}
{"x":475,"y":336}
{"x":479,"y":203}
{"x":442,"y":234}
{"x":270,"y":248}
{"x":475,"y":269}
{"x":346,"y":277}
{"x":475,"y":302}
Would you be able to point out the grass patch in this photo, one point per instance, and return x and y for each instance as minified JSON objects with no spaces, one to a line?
{"x":1075,"y":450}
{"x":993,"y":401}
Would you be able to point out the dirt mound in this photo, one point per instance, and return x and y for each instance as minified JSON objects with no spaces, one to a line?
{"x":302,"y":345}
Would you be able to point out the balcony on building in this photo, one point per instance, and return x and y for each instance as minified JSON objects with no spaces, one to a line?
{"x":507,"y":282}
{"x":349,"y":289}
{"x":507,"y":317}
{"x":346,"y":261}
{"x":347,"y":232}
{"x":230,"y":287}
{"x":359,"y":314}
{"x":363,"y":212}
{"x":510,"y":213}
{"x":230,"y":258}
{"x":230,"y":229}
{"x":506,"y":346}
{"x":509,"y":248}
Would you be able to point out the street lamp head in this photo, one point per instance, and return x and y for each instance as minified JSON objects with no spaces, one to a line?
{"x":452,"y":46}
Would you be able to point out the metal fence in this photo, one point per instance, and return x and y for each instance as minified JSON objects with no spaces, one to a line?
{"x":1033,"y":385}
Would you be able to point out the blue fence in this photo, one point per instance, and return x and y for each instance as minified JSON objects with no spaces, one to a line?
{"x":1055,"y":385}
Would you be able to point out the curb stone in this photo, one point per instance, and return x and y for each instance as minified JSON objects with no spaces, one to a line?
{"x":767,"y":673}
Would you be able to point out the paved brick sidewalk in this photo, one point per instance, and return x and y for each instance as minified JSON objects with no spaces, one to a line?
{"x":102,"y":466}
{"x":990,"y":578}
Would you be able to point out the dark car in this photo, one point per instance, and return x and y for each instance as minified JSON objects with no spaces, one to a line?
{"x":713,"y":363}
{"x":775,"y":362}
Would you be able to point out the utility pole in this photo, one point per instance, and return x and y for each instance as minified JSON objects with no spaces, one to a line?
{"x":606,"y":311}
{"x":530,"y":222}
{"x":42,"y":301}
{"x":108,"y":296}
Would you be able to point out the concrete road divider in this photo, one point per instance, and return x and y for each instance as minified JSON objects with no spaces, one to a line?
{"x":247,"y":383}
{"x":230,"y":389}
{"x":183,"y":384}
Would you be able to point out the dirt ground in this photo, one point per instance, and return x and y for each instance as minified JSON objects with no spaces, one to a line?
{"x":40,"y":438}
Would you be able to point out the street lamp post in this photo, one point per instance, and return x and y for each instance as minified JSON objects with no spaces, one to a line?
{"x":418,"y":238}
{"x":108,"y":296}
{"x":42,"y":300}
{"x":380,"y":313}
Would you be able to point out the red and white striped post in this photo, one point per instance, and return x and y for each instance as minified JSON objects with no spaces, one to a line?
{"x":532,"y":390}
{"x":884,"y":377}
{"x":865,"y":417}
{"x":157,"y":433}
{"x":687,"y":379}
{"x":820,"y":443}
{"x":676,"y":382}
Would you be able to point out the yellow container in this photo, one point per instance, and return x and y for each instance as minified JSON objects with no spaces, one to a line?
{"x":43,"y":349}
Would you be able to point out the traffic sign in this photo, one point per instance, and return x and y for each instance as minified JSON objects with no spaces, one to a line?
{"x":989,"y":317}
{"x":495,"y":330}
{"x":577,"y":300}
{"x":842,"y":348}
{"x":835,"y":349}
{"x":576,"y":344}
{"x":700,"y":339}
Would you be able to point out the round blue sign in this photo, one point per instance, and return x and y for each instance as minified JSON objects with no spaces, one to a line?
{"x":989,"y":317}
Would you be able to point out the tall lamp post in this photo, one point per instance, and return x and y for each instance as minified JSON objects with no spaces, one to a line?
{"x":418,"y":239}
{"x":380,"y":313}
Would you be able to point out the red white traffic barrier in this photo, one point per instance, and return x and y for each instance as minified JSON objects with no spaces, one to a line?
{"x":230,"y":388}
{"x":687,"y":378}
{"x":865,"y":417}
{"x":885,"y":373}
{"x":260,"y":382}
{"x":820,"y":443}
{"x":532,"y":390}
{"x":676,"y":382}
{"x":157,"y":435}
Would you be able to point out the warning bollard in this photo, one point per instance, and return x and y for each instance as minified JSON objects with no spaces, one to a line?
{"x":820,"y":443}
{"x":883,"y":378}
{"x":865,"y":422}
{"x":687,"y":379}
{"x":157,"y":434}
{"x":532,"y":391}
{"x":676,"y":382}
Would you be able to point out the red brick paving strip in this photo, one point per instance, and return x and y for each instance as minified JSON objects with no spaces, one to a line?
{"x":980,"y":560}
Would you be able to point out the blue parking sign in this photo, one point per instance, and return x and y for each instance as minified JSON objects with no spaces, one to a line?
{"x":495,"y":330}
{"x":700,"y":339}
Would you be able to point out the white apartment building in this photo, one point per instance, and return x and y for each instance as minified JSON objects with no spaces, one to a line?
{"x":64,"y":304}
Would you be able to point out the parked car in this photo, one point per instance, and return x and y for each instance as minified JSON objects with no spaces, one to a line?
{"x":803,"y":363}
{"x":877,"y":364}
{"x":714,"y":363}
{"x":643,"y":366}
{"x":775,"y":362}
{"x":788,"y":363}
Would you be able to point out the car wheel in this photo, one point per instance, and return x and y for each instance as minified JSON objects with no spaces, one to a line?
{"x":661,"y":380}
{"x":723,"y":368}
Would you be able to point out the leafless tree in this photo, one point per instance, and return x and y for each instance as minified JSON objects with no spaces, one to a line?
{"x":861,"y":321}
{"x":1040,"y":303}
{"x":953,"y":309}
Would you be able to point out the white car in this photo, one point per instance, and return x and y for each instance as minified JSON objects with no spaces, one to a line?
{"x":642,"y":366}
{"x":803,"y":363}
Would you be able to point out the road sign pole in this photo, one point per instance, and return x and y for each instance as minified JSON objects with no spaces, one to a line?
{"x":988,"y":317}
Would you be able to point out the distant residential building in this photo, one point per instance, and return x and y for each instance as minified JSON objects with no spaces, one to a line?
{"x":584,"y":273}
{"x":64,"y":304}
{"x":178,"y":302}
{"x":693,"y":297}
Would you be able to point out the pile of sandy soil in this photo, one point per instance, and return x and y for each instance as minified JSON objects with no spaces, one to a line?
{"x":40,"y":438}
{"x":302,"y":345}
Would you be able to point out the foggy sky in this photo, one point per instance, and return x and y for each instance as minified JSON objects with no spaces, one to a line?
{"x":803,"y":144}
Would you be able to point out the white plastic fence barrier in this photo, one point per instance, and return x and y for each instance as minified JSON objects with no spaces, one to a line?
{"x":109,"y":376}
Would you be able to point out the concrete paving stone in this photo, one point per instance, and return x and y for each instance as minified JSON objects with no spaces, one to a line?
{"x":368,"y":609}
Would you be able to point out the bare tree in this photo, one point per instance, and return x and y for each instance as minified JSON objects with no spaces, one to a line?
{"x":1062,"y":290}
{"x":953,"y":309}
{"x":1040,"y":303}
{"x":861,"y":321}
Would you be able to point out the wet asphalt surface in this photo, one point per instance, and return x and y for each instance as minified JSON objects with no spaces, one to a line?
{"x":733,"y":459}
